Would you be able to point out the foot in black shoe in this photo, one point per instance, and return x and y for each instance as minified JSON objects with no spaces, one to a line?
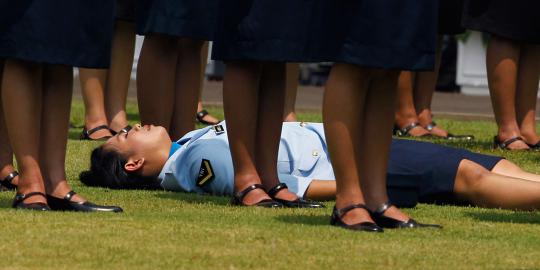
{"x":298,"y":203}
{"x":18,"y":202}
{"x":238,"y":198}
{"x":337,"y":215}
{"x":392,"y":223}
{"x":7,"y":182}
{"x":66,"y":204}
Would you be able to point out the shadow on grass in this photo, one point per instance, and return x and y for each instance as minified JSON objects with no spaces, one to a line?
{"x":512,"y":217}
{"x":312,"y":220}
{"x":194,"y":198}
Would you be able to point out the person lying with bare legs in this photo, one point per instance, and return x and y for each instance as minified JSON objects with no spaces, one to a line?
{"x":418,"y":172}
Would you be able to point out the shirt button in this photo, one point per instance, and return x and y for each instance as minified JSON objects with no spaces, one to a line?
{"x":315,"y":153}
{"x":303,"y":124}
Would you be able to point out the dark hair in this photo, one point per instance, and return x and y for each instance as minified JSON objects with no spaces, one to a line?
{"x":107,"y":170}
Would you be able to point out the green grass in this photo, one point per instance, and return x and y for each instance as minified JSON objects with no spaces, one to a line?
{"x":164,"y":230}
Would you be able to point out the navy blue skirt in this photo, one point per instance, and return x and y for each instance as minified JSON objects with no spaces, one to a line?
{"x":180,"y":18}
{"x":517,"y":19}
{"x":425,"y":172}
{"x":67,"y":32}
{"x":391,"y":34}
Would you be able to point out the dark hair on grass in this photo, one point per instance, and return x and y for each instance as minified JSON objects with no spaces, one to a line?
{"x":107,"y":170}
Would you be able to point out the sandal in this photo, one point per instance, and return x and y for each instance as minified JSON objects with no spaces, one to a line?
{"x":85,"y":135}
{"x":126,"y":129}
{"x":392,"y":223}
{"x":450,"y":136}
{"x":18,"y":202}
{"x":7,"y":181}
{"x":66,"y":204}
{"x":404,"y":132}
{"x":504,"y":144}
{"x":298,"y":203}
{"x":238,"y":198}
{"x":366,"y":226}
{"x":200,"y":118}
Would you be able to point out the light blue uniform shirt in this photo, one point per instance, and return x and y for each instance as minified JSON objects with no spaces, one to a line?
{"x":203,"y":164}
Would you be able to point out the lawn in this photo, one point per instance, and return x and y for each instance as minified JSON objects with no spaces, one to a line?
{"x":164,"y":230}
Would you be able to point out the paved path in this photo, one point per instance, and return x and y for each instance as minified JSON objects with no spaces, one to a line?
{"x":310,"y":98}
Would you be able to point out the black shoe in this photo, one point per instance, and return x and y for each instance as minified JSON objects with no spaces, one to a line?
{"x":298,"y":203}
{"x":85,"y":135}
{"x":66,"y":204}
{"x":367,"y":226}
{"x":7,"y":182}
{"x":18,"y":202}
{"x":126,"y":129}
{"x":392,"y":223}
{"x":449,"y":135}
{"x":238,"y":198}
{"x":503,"y":145}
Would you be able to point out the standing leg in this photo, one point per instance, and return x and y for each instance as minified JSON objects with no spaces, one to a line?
{"x":240,"y":103}
{"x":343,"y":113}
{"x":156,"y":80}
{"x":502,"y":62}
{"x":123,"y":47}
{"x":269,"y":123}
{"x":93,"y":88}
{"x":6,"y":153}
{"x":373,"y":147}
{"x":406,"y":112}
{"x":426,"y":81}
{"x":527,"y":89}
{"x":187,"y":86}
{"x":21,"y":99}
{"x":57,"y":91}
{"x":204,"y":58}
{"x":293,"y":70}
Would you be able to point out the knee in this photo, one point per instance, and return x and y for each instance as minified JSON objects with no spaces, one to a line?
{"x":189,"y":46}
{"x":471,"y":176}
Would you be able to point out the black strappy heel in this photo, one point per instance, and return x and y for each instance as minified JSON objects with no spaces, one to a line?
{"x":125,"y":129}
{"x":7,"y":181}
{"x":85,"y":135}
{"x":298,"y":203}
{"x":392,"y":223}
{"x":504,"y":144}
{"x":238,"y":198}
{"x":367,"y":226}
{"x":404,"y":131}
{"x":18,"y":202}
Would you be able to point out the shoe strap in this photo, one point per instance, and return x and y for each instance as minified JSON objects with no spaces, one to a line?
{"x":7,"y":180}
{"x":21,"y":197}
{"x":277,"y":188}
{"x":341,"y":212}
{"x":125,"y":129}
{"x":382,"y":208}
{"x":201,"y":114}
{"x":508,"y":142}
{"x":405,"y":130}
{"x":241,"y":194}
{"x":431,"y":126}
{"x":69,"y":195}
{"x":93,"y":130}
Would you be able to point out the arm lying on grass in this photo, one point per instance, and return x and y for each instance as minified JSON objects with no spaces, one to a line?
{"x":417,"y":171}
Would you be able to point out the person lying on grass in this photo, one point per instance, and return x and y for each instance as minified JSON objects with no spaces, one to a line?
{"x":200,"y":162}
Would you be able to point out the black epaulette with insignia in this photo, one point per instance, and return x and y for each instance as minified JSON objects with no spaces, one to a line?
{"x":206,"y":173}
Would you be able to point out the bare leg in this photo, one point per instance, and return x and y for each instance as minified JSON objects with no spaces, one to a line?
{"x":57,"y":90}
{"x":240,"y":95}
{"x":373,"y":148}
{"x":507,"y":168}
{"x":6,"y":153}
{"x":93,"y":87}
{"x":406,"y":112}
{"x":293,"y":70}
{"x":156,"y":80}
{"x":343,"y":109}
{"x":187,"y":86}
{"x":123,"y":47}
{"x":425,"y":84}
{"x":527,"y":88}
{"x":21,"y":97}
{"x":502,"y":62}
{"x":204,"y":57}
{"x":269,"y":123}
{"x":486,"y":189}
